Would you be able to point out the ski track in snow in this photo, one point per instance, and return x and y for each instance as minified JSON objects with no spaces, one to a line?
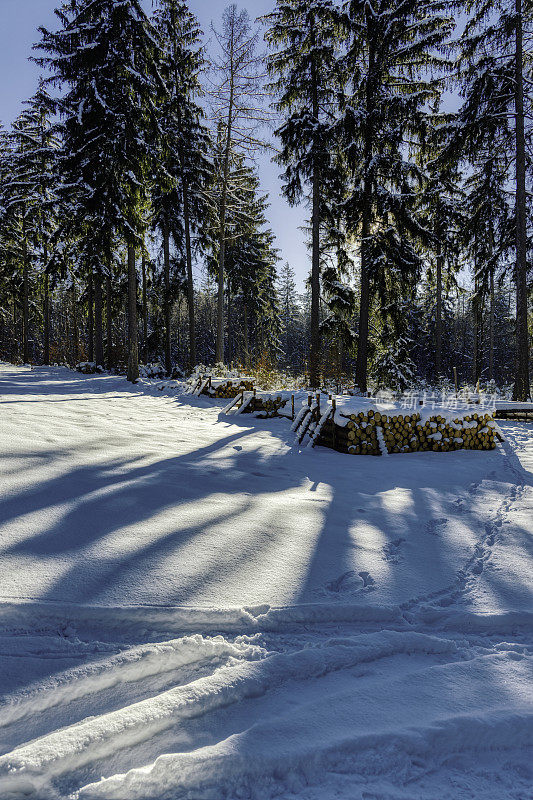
{"x":191,"y":609}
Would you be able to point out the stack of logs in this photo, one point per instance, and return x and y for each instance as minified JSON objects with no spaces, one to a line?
{"x":228,"y":389}
{"x":406,"y":433}
{"x":270,"y":405}
{"x":358,"y":436}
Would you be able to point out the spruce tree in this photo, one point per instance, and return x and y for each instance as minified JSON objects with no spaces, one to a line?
{"x":495,"y":118}
{"x":106,"y":56}
{"x":10,"y":250}
{"x":304,"y":34}
{"x":182,"y":168}
{"x":30,"y":205}
{"x":289,"y":311}
{"x":392,"y":50}
{"x":250,"y":257}
{"x":442,"y":202}
{"x":487,"y":240}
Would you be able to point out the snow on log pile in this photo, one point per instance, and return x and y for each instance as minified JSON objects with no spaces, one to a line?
{"x":367,"y":428}
{"x":89,"y":367}
{"x":223,"y":387}
{"x":268,"y":404}
{"x":364,"y":426}
{"x":244,"y":397}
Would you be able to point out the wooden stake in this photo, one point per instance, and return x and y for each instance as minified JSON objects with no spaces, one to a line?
{"x":292,"y":406}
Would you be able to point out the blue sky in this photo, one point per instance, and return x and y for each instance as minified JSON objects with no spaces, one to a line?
{"x":19,"y":20}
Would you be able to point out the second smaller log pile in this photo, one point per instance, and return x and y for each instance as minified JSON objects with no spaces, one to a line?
{"x":228,"y":388}
{"x":268,"y":404}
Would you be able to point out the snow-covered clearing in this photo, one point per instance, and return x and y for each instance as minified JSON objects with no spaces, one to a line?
{"x":191,"y":608}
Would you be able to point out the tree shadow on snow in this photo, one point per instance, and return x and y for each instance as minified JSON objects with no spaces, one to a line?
{"x":231,"y":519}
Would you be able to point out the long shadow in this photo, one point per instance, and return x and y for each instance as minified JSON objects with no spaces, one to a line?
{"x":362,"y":516}
{"x":359,"y":550}
{"x":89,"y":479}
{"x":365,"y":551}
{"x":129,"y":506}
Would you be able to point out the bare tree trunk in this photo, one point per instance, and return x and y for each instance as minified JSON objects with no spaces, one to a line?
{"x":16,"y":339}
{"x":109,"y":320}
{"x":25,"y":302}
{"x":145,"y":310}
{"x":75,"y":333}
{"x":229,"y":314}
{"x":463,"y":343}
{"x":178,"y":325}
{"x":476,"y":356}
{"x":364,"y":306}
{"x":167,"y":305}
{"x":491,"y":326}
{"x":133,"y":344}
{"x":246,"y":336}
{"x":314,"y":354}
{"x":190,"y":282}
{"x":98,"y":324}
{"x":187,"y":226}
{"x":521,"y":389}
{"x":219,"y":349}
{"x":90,"y":317}
{"x":46,"y":318}
{"x":438,"y":310}
{"x":364,"y":303}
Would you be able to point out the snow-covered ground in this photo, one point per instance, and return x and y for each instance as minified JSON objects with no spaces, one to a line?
{"x":193,"y":609}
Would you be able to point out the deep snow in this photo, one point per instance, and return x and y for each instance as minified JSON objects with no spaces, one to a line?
{"x":191,"y":606}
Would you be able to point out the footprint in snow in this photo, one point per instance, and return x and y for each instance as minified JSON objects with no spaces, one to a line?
{"x":477,"y":569}
{"x":367,"y":579}
{"x":434,"y":525}
{"x":351,"y":581}
{"x":392,"y":550}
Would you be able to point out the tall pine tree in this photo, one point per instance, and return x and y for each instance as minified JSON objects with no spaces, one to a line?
{"x":106,"y":56}
{"x":304,"y":33}
{"x":392,"y":49}
{"x":181,"y":174}
{"x":495,"y":118}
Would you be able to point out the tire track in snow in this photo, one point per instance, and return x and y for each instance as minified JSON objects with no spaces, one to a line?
{"x":32,"y":767}
{"x":223,"y":771}
{"x":97,"y":686}
{"x":290,"y":752}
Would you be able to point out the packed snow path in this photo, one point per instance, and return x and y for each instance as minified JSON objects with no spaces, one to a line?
{"x":191,"y":608}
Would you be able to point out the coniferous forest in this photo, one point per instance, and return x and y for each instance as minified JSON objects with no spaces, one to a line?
{"x":134,"y":228}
